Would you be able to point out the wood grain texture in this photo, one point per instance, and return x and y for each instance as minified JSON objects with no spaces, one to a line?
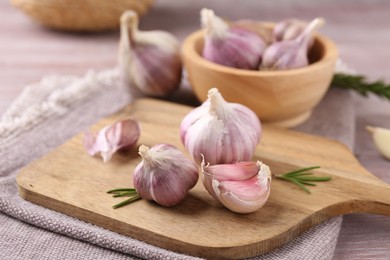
{"x":68,"y":180}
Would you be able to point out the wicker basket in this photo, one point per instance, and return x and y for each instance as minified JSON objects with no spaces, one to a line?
{"x":81,"y":15}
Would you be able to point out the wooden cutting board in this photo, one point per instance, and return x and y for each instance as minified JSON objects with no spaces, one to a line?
{"x":68,"y":180}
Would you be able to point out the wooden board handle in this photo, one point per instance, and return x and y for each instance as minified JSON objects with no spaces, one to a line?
{"x":374,"y":198}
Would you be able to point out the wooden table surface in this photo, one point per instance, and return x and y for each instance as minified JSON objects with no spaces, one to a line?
{"x":361,"y":29}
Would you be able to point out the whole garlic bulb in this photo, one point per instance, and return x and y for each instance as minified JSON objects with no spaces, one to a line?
{"x":164,"y":175}
{"x":290,"y":54}
{"x":148,"y":60}
{"x":242,"y":187}
{"x":230,"y":46}
{"x":223,"y":132}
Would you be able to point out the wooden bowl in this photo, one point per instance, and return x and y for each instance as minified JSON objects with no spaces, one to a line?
{"x":285,"y":98}
{"x":80,"y":15}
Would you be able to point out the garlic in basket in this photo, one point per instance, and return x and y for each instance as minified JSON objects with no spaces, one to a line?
{"x":290,"y":54}
{"x":165,"y":175}
{"x":230,"y":46}
{"x":223,"y":132}
{"x":148,"y":60}
{"x":121,"y":135}
{"x":242,"y":187}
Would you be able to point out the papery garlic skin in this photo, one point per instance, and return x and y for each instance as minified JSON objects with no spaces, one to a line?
{"x":148,"y":60}
{"x":244,"y":192}
{"x":223,"y":132}
{"x":165,"y":175}
{"x":290,"y":54}
{"x":230,"y":46}
{"x":381,"y":137}
{"x":121,"y":135}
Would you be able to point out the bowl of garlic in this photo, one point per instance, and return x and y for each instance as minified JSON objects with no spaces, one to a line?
{"x":280,"y":71}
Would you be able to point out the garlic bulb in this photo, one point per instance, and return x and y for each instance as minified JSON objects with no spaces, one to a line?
{"x":165,"y":175}
{"x":230,"y":46}
{"x":122,"y":135}
{"x":289,"y":30}
{"x":149,"y":61}
{"x":290,"y":54}
{"x":223,"y":132}
{"x":381,"y":137}
{"x":242,"y":187}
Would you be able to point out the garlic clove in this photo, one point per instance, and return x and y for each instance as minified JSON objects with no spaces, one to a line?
{"x":235,"y":171}
{"x":223,"y":132}
{"x":290,"y":54}
{"x":381,"y":137}
{"x":230,"y":46}
{"x":164,"y":175}
{"x":89,"y":142}
{"x":149,"y":61}
{"x":239,"y":195}
{"x":121,"y":135}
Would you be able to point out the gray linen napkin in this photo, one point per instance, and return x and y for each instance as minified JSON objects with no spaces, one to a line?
{"x":52,"y":111}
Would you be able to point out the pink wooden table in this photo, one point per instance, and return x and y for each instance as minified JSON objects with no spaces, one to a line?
{"x":361,"y":30}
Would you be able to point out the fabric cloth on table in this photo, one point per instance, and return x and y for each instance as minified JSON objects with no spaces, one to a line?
{"x":50,"y":112}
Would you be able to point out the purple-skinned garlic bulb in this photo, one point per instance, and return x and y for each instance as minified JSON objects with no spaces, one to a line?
{"x":242,"y":187}
{"x":164,"y":175}
{"x":223,"y":132}
{"x":290,"y":54}
{"x":149,"y":61}
{"x":120,"y":136}
{"x":230,"y":46}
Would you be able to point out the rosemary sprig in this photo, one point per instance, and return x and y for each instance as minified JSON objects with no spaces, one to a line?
{"x":360,"y":84}
{"x":302,"y":177}
{"x":124,"y":192}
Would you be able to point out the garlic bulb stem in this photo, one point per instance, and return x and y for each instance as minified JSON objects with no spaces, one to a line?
{"x":313,"y":25}
{"x":217,"y":103}
{"x":129,"y":26}
{"x":214,"y":26}
{"x":143,"y":150}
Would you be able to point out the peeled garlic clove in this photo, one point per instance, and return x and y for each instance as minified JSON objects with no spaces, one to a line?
{"x":148,"y":60}
{"x":290,"y":29}
{"x":223,"y":132}
{"x":230,"y":46}
{"x":121,"y":135}
{"x":238,"y":194}
{"x":165,"y":175}
{"x":290,"y":54}
{"x":381,"y":137}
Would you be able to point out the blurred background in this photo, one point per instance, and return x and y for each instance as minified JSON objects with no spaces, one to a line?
{"x":28,"y":51}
